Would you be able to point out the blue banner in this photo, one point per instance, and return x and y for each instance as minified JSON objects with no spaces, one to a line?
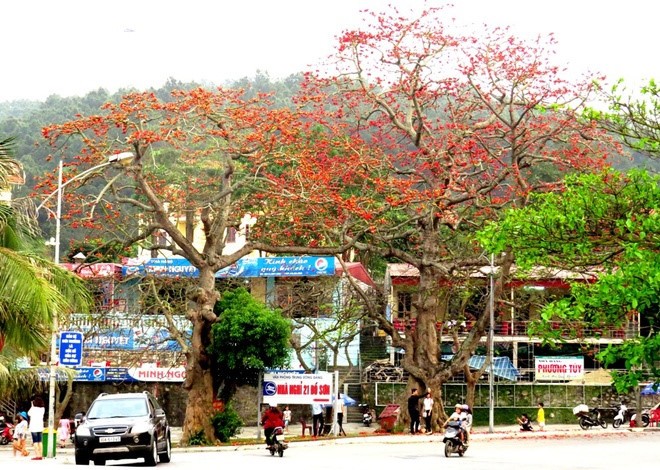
{"x":292,"y":266}
{"x":162,"y":267}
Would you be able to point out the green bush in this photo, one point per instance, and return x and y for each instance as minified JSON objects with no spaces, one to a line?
{"x":198,"y":439}
{"x":226,"y":424}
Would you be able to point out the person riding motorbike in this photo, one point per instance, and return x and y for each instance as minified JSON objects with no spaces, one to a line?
{"x":271,"y":418}
{"x":457,"y":416}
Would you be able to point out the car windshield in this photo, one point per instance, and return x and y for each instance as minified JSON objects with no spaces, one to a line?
{"x":119,"y":408}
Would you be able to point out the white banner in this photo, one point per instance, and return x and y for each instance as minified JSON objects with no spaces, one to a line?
{"x":551,"y":369}
{"x":293,"y":388}
{"x":158,"y":374}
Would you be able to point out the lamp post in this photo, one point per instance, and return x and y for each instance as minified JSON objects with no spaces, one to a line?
{"x":491,"y":347}
{"x":50,"y":451}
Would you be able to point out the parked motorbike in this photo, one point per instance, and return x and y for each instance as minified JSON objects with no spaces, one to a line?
{"x":623,"y":416}
{"x":6,"y":432}
{"x":589,"y":418}
{"x":367,"y":415}
{"x":454,"y":439}
{"x":278,"y":446}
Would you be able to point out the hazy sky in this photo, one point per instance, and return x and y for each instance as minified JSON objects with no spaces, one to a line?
{"x":70,"y":47}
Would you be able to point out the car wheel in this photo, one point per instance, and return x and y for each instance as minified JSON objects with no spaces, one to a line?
{"x":99,"y":462}
{"x":151,"y":459}
{"x":82,"y":460}
{"x":166,"y":456}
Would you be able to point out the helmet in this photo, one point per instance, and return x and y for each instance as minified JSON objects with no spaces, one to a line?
{"x":465,"y":407}
{"x":23,"y":414}
{"x":458,"y":405}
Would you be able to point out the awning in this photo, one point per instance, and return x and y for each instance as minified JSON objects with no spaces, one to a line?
{"x":348,"y":401}
{"x":502,"y":366}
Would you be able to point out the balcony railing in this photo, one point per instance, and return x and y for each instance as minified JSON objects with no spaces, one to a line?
{"x":520,"y":328}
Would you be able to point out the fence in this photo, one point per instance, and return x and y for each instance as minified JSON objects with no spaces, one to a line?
{"x":512,"y":395}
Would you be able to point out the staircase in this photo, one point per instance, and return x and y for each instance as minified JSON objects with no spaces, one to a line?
{"x":8,"y":408}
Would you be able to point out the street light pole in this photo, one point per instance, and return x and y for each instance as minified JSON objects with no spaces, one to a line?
{"x":50,"y":451}
{"x":491,"y":347}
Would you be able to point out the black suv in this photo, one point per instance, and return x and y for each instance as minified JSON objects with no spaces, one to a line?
{"x":123,"y":426}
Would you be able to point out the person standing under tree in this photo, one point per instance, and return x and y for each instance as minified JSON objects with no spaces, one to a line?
{"x":317,"y":420}
{"x":413,"y":411}
{"x":540,"y":417}
{"x":36,"y":426}
{"x":427,"y":406}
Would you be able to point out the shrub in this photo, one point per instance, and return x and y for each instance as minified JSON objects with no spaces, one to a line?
{"x":226,"y":424}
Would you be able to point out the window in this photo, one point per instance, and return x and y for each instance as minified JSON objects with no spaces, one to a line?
{"x":404,"y":307}
{"x":231,"y":235}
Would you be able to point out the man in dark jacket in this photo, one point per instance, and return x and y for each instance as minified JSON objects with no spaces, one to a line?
{"x":413,"y":411}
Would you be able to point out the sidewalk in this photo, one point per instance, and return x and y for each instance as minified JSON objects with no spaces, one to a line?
{"x":357,"y":433}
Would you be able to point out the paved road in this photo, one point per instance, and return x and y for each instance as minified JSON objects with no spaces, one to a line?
{"x":540,"y":451}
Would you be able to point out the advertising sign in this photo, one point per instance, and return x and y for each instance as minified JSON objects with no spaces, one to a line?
{"x":550,"y":369}
{"x":287,"y":266}
{"x":90,"y":374}
{"x":157,"y":374}
{"x":297,"y":389}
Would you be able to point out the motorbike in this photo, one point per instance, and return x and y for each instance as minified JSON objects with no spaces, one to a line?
{"x":367,"y":415}
{"x":6,"y":432}
{"x":589,"y":418}
{"x":454,"y":439}
{"x":622,"y":416}
{"x":278,"y":446}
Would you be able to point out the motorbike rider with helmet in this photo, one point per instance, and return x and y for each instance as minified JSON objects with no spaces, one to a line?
{"x":271,"y":418}
{"x":457,"y":415}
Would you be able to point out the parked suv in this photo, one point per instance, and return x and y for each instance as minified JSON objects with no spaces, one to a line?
{"x":123,"y":426}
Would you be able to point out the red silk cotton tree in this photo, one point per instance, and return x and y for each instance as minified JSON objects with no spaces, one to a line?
{"x":445,"y":131}
{"x":197,"y":164}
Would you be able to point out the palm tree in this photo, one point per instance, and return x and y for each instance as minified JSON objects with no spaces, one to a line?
{"x":32,"y":288}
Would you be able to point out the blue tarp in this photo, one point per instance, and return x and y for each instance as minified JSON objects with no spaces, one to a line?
{"x":348,"y":401}
{"x":648,"y":390}
{"x":502,"y":366}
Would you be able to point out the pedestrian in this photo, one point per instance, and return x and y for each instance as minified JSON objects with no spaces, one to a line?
{"x":19,"y":443}
{"x":540,"y":417}
{"x":36,"y":426}
{"x":427,"y":406}
{"x":64,"y":431}
{"x":287,"y":417}
{"x":271,"y":419}
{"x":413,"y":411}
{"x":317,"y":420}
{"x":341,"y":408}
{"x":525,"y":423}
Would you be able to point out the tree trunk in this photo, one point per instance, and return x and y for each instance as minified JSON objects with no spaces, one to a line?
{"x":199,"y":381}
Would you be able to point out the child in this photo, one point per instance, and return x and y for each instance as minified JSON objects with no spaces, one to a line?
{"x":540,"y":417}
{"x":525,"y":423}
{"x":287,"y":418}
{"x":63,"y":432}
{"x":20,"y":434}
